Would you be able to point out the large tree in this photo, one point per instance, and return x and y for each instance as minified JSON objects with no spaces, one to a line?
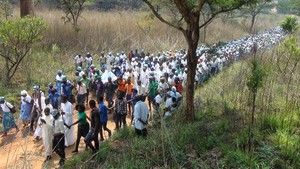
{"x":26,"y":8}
{"x":188,"y":22}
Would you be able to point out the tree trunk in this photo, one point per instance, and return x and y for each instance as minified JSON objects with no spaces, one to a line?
{"x":7,"y":72}
{"x":252,"y":23}
{"x":190,"y":86}
{"x":192,"y":38}
{"x":26,"y":8}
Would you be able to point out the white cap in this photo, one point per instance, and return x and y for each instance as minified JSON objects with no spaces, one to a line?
{"x":23,"y":92}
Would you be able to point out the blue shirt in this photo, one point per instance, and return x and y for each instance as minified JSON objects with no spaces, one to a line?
{"x":54,"y":98}
{"x":103,"y":113}
{"x":66,"y":89}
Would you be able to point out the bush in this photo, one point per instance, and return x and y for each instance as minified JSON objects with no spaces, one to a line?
{"x":236,"y":159}
{"x":289,"y":24}
{"x":270,"y":124}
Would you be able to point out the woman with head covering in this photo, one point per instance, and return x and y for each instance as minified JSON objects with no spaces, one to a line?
{"x":26,"y":107}
{"x":8,"y":120}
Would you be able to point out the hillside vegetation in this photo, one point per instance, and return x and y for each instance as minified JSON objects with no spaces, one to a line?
{"x":219,"y":136}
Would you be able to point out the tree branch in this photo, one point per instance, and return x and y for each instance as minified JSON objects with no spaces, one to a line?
{"x":200,"y":6}
{"x":219,"y":12}
{"x":161,"y":18}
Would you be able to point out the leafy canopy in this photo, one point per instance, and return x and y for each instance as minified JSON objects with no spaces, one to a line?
{"x":20,"y":32}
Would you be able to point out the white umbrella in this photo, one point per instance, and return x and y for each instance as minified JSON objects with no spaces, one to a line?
{"x":107,"y":74}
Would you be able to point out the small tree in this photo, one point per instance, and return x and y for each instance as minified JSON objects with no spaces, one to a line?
{"x":72,"y":10}
{"x":289,"y":24}
{"x":255,"y":81}
{"x":17,"y":37}
{"x":254,"y":8}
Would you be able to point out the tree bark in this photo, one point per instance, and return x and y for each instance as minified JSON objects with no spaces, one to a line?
{"x":192,"y":38}
{"x":252,"y":23}
{"x":26,"y":8}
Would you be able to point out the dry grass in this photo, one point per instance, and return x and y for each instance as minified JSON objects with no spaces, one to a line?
{"x":129,"y":30}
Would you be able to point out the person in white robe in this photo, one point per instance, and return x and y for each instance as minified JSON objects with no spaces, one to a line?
{"x":47,"y":122}
{"x":67,"y":114}
{"x":45,"y":103}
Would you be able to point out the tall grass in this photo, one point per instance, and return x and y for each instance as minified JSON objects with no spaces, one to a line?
{"x":129,"y":30}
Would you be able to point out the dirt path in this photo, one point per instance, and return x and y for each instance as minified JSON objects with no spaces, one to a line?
{"x":19,"y":150}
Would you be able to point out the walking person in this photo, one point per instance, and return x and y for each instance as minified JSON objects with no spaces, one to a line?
{"x":67,"y":115}
{"x":86,"y":81}
{"x":8,"y":120}
{"x":83,"y":125}
{"x":26,"y":108}
{"x":121,"y":111}
{"x":103,"y":119}
{"x":128,"y":89}
{"x":110,"y":89}
{"x":81,"y":92}
{"x":95,"y":125}
{"x":58,"y":136}
{"x":140,"y":117}
{"x":47,"y":134}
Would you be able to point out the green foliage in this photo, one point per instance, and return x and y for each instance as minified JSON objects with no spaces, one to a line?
{"x":270,"y":124}
{"x":241,"y":139}
{"x":77,"y":160}
{"x":289,"y":24}
{"x":55,"y":49}
{"x":288,"y":142}
{"x":21,"y":32}
{"x":17,"y":36}
{"x":291,"y":48}
{"x":124,"y":133}
{"x":223,"y":125}
{"x":255,"y":80}
{"x":236,"y":159}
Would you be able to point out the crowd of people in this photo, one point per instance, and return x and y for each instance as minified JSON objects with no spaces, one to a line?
{"x":119,"y":84}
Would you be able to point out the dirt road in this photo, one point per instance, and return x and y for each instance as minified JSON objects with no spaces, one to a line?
{"x":20,"y":150}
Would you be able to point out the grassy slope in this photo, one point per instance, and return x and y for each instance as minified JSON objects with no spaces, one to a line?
{"x":219,"y":136}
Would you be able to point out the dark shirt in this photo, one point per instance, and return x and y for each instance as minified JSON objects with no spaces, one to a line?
{"x":95,"y":118}
{"x":121,"y":106}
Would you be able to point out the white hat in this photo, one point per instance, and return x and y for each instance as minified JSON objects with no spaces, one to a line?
{"x":23,"y":92}
{"x":173,"y":88}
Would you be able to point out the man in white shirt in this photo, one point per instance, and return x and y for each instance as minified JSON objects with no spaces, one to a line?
{"x":58,"y":136}
{"x":81,"y":92}
{"x":58,"y":80}
{"x":144,"y":76}
{"x":78,"y":60}
{"x":140,"y":88}
{"x":140,"y":117}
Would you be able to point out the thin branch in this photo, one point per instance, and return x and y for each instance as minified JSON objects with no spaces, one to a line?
{"x":161,"y":18}
{"x":200,"y":6}
{"x":219,"y":12}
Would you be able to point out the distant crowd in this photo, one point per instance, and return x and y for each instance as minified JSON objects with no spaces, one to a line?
{"x":119,"y":84}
